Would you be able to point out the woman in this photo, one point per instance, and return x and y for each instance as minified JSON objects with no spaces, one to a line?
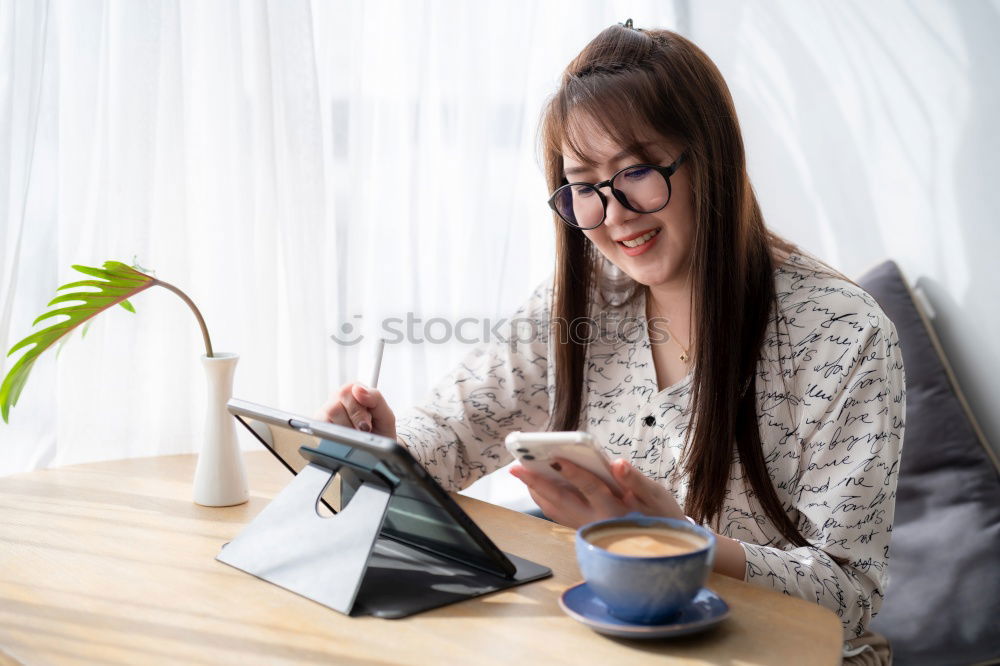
{"x":763,"y":393}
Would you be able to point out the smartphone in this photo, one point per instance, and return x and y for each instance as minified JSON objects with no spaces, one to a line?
{"x":537,"y":452}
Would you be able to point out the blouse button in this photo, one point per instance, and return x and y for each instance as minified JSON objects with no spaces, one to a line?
{"x":650,"y":420}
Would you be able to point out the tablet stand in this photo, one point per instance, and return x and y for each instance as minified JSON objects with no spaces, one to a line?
{"x":343,"y":563}
{"x":292,"y":546}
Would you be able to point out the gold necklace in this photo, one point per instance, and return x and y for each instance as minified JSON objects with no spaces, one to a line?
{"x":684,"y":357}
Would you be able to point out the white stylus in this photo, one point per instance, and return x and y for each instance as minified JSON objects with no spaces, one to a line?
{"x":378,"y":362}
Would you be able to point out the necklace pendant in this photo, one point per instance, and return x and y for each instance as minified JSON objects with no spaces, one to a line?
{"x":684,"y":357}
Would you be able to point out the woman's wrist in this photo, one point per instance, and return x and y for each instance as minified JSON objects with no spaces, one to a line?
{"x":730,"y":558}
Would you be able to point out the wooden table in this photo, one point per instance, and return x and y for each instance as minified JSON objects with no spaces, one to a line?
{"x":112,"y":563}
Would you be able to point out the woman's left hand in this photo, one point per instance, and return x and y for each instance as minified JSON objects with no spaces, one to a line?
{"x":587,"y":498}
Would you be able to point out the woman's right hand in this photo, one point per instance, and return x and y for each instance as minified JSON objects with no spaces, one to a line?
{"x":356,"y":406}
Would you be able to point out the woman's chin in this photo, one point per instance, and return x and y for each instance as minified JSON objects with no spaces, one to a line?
{"x":655,"y":270}
{"x":650,"y":277}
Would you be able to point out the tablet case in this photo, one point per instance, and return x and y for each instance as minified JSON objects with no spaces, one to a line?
{"x":347,"y":562}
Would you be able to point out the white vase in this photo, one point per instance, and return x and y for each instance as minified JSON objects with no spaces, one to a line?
{"x":220,"y":478}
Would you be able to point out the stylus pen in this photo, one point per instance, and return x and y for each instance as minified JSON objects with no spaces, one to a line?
{"x":378,"y":362}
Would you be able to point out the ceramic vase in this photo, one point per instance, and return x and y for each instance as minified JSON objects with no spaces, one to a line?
{"x":220,"y":478}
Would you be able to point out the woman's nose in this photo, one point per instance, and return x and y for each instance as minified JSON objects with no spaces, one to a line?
{"x":617,"y":213}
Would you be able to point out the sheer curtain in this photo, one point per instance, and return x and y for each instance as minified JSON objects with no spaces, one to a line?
{"x":296,"y":168}
{"x":299,"y":167}
{"x":871,"y":133}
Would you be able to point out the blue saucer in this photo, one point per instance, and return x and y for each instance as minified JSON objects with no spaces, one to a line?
{"x":704,"y":611}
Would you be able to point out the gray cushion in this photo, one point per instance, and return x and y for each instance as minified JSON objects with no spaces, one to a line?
{"x":943,"y":601}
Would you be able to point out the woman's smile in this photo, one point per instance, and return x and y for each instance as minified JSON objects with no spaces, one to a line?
{"x":636,"y":244}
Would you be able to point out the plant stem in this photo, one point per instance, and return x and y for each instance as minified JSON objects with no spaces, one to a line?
{"x":194,"y":309}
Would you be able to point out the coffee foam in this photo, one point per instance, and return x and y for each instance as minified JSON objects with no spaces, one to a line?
{"x":693,"y":541}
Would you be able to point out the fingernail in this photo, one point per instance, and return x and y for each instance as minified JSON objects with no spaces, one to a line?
{"x":365,"y":427}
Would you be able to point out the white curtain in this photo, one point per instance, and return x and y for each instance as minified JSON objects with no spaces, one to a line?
{"x":871,"y":130}
{"x":297,"y":167}
{"x":294,"y":167}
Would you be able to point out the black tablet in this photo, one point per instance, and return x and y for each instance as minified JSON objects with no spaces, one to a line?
{"x":419,"y":514}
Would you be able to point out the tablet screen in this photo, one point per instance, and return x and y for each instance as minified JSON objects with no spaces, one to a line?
{"x":414,"y":514}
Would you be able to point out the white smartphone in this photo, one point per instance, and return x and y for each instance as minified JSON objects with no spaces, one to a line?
{"x":537,"y":451}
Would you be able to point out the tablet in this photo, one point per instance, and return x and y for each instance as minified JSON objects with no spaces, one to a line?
{"x":420,"y":514}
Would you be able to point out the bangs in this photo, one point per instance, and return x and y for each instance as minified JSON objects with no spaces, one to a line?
{"x":624,"y":106}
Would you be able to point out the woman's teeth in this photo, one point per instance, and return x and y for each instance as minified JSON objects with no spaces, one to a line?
{"x":636,"y":242}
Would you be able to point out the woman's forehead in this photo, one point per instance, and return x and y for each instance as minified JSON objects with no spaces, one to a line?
{"x":591,"y":142}
{"x":601,"y":151}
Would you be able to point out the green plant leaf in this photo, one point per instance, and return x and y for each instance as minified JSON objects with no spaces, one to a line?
{"x":118,"y":282}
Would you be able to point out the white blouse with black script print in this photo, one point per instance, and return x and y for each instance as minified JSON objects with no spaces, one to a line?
{"x":830,"y":402}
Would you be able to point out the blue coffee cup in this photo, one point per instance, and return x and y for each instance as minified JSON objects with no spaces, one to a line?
{"x":643,"y":589}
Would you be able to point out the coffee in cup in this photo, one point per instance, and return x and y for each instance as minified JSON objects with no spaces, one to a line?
{"x":645,"y":568}
{"x":652,"y":541}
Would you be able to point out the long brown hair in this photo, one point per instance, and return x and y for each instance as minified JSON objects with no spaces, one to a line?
{"x":625,"y":81}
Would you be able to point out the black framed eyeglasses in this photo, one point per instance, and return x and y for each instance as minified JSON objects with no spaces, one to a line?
{"x":642,"y":188}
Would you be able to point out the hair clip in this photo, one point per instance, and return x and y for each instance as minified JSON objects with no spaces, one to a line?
{"x":627,"y":24}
